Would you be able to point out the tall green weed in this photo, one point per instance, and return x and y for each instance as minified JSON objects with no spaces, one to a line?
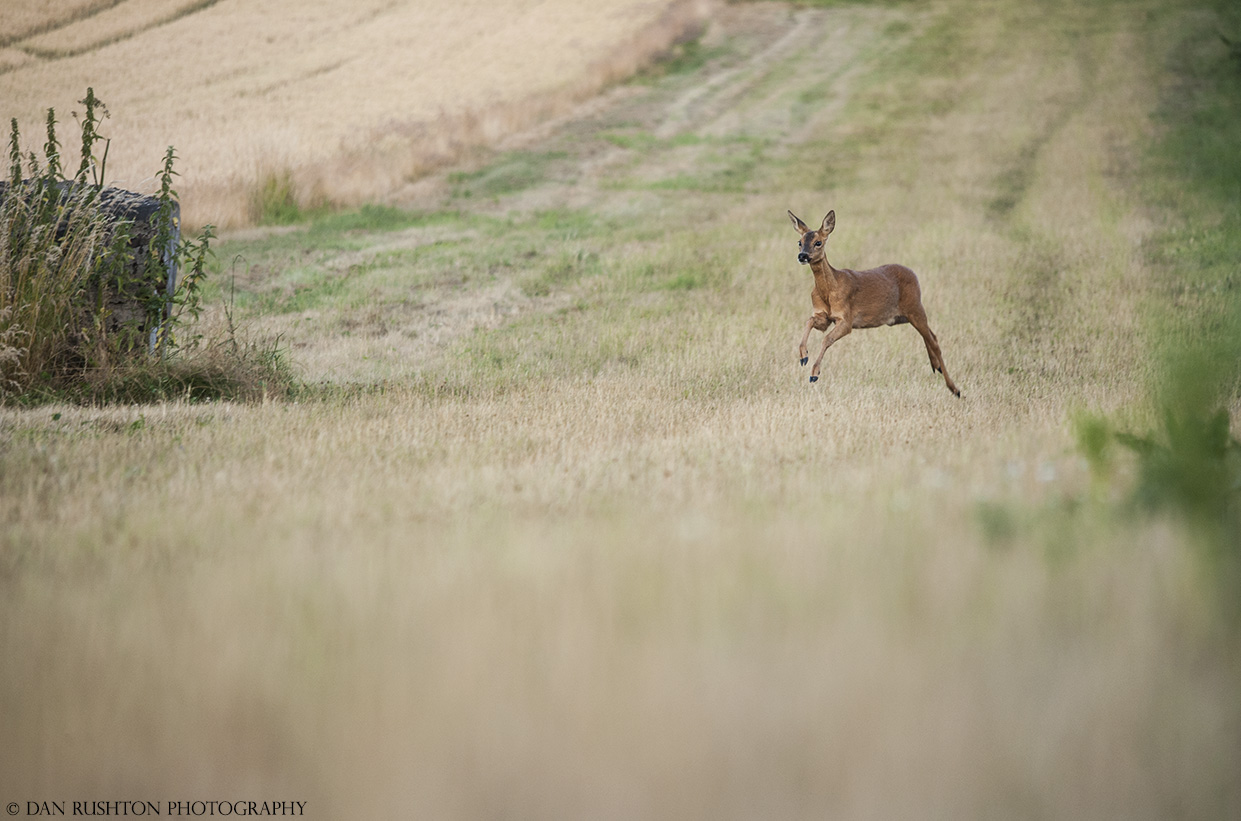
{"x":84,"y":314}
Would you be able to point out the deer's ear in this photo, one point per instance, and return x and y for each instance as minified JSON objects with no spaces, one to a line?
{"x":829,"y":222}
{"x":798,"y":224}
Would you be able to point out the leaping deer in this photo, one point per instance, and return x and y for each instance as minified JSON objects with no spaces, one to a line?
{"x":887,"y":295}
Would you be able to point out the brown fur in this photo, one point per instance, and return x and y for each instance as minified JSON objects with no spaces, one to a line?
{"x":847,"y":299}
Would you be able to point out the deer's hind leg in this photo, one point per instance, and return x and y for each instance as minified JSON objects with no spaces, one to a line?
{"x":917,"y":318}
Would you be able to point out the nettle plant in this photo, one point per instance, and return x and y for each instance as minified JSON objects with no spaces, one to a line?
{"x":169,"y":253}
{"x":83,"y":286}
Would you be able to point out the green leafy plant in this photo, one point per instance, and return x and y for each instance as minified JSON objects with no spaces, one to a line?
{"x":95,"y":166}
{"x":66,"y":263}
{"x":273,"y":201}
{"x":1193,"y":464}
{"x":1190,"y":465}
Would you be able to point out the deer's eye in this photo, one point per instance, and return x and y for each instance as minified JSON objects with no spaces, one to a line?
{"x":817,"y":244}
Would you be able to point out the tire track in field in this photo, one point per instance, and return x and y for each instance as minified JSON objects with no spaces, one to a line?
{"x":56,"y":23}
{"x":44,"y":53}
{"x":709,"y":99}
{"x":1069,"y":302}
{"x":739,"y":109}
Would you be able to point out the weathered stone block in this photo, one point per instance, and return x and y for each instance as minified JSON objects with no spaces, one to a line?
{"x":127,"y":306}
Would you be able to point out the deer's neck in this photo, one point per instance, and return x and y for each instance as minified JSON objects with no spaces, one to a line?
{"x":825,"y":276}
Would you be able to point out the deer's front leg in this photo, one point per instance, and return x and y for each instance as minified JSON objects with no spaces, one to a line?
{"x":843,"y":327}
{"x":817,"y":320}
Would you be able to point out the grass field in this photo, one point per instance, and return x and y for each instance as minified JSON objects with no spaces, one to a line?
{"x":331,"y":102}
{"x":555,"y":525}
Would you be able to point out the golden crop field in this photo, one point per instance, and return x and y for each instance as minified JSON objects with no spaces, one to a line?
{"x":347,"y":100}
{"x":552,"y":524}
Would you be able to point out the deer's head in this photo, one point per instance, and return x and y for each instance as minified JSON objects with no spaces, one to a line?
{"x":810,"y":250}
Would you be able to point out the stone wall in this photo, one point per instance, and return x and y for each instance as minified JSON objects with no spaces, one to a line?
{"x":126,"y":307}
{"x":141,"y":211}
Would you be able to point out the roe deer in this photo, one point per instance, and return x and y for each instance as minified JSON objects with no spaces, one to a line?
{"x":887,"y":295}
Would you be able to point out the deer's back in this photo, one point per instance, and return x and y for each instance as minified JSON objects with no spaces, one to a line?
{"x":884,"y":295}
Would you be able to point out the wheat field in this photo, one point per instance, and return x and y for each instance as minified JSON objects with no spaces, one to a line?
{"x":557,"y":527}
{"x":349,"y":100}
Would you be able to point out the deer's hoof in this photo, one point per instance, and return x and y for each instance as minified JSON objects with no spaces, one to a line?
{"x":805,"y":359}
{"x":814,"y":379}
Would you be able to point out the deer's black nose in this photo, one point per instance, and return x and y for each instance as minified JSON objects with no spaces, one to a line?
{"x":803,"y":257}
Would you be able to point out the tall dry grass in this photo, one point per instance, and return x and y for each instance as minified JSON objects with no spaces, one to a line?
{"x":350,"y":99}
{"x":50,"y":245}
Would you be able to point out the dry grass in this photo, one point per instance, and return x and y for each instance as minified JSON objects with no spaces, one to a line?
{"x":351,"y":98}
{"x":597,"y":549}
